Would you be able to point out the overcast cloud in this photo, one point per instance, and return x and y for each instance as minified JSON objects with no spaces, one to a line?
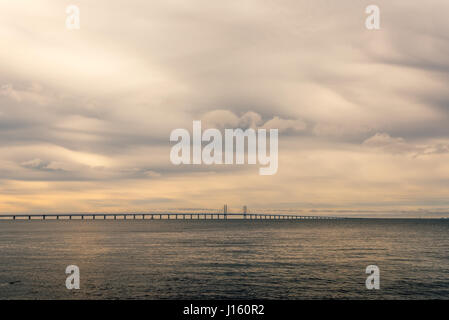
{"x":363,"y":116}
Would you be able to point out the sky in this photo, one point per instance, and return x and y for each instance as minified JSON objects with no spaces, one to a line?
{"x":86,"y":115}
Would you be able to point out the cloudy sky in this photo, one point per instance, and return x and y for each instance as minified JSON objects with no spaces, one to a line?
{"x":363,"y":116}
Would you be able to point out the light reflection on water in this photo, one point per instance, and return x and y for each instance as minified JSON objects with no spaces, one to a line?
{"x":208,"y":259}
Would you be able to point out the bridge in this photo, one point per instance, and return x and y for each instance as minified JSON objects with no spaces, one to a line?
{"x":161,"y":216}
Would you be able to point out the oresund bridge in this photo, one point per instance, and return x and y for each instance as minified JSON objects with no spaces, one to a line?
{"x":224,"y":215}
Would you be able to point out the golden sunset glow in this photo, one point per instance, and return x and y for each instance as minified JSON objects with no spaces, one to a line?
{"x":86,"y":115}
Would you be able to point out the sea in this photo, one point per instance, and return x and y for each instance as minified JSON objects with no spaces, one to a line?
{"x":225,"y":259}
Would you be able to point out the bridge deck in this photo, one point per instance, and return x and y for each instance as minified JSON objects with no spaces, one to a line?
{"x":160,"y":216}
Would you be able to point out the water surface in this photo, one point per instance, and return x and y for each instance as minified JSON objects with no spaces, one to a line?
{"x":230,"y":259}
